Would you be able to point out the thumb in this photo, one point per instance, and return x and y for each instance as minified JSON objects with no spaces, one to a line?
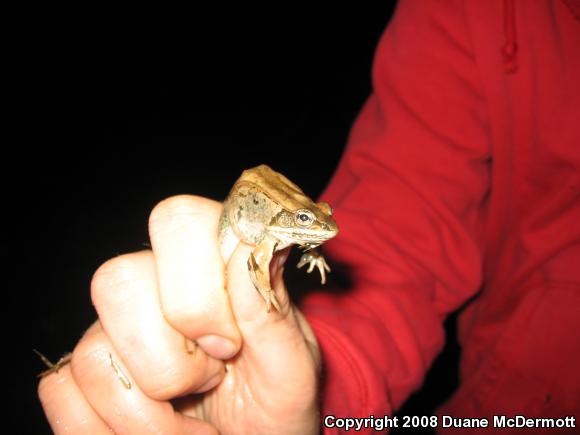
{"x":272,"y":334}
{"x":249,"y":305}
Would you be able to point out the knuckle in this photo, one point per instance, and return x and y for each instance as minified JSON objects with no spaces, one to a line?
{"x":90,"y":351}
{"x":178,"y":376}
{"x":178,"y":315}
{"x":112,"y":276}
{"x":169,"y":380}
{"x":171,"y":210}
{"x":178,"y":211}
{"x":48,"y":388}
{"x":199,"y":311}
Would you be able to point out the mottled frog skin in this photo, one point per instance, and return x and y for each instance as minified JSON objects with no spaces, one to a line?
{"x":268,"y":211}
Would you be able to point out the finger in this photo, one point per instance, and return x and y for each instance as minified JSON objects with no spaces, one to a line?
{"x":183,"y":231}
{"x":65,"y":407}
{"x":125,"y":295}
{"x":108,"y":387}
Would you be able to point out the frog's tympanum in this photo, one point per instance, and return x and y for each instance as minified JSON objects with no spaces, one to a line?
{"x":268,"y":211}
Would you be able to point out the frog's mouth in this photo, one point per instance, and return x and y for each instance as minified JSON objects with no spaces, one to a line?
{"x":303,"y":236}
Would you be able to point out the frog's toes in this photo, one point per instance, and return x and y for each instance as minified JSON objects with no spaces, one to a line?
{"x":271,"y":300}
{"x":313,"y":260}
{"x":306,"y":258}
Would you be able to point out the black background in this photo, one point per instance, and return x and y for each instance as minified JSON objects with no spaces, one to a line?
{"x":112,"y":121}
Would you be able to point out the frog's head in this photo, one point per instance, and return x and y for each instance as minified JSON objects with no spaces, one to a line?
{"x":310,"y":226}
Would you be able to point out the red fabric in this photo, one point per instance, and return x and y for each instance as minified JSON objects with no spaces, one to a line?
{"x":461,"y":180}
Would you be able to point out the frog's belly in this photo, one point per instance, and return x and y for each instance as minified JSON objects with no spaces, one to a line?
{"x":249,"y":232}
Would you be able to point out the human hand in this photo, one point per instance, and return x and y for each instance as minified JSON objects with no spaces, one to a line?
{"x":251,"y":371}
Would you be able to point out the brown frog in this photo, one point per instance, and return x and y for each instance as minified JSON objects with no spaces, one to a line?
{"x":268,"y":211}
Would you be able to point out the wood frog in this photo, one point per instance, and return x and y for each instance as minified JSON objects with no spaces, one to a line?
{"x":268,"y":211}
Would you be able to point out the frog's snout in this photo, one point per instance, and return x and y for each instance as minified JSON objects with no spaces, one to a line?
{"x":331,"y":229}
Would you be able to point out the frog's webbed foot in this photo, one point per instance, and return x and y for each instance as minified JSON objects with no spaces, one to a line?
{"x":52,"y":368}
{"x":314,"y":259}
{"x":259,"y":268}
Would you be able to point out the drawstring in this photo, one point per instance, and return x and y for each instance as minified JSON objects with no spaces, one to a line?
{"x":510,"y":47}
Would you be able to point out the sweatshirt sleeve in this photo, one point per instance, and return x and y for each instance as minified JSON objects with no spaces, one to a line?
{"x":409,"y":198}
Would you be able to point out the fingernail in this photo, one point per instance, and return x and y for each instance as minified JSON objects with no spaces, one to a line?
{"x":216,"y":346}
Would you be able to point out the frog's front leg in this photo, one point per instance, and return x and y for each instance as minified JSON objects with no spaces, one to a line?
{"x":314,"y":258}
{"x":259,"y":267}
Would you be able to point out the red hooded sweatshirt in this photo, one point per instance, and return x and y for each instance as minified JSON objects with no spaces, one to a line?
{"x":460,"y":185}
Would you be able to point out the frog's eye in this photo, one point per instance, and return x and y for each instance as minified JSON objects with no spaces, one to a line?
{"x":304,"y":217}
